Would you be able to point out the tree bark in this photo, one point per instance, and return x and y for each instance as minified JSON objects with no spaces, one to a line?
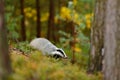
{"x":5,"y":67}
{"x":38,"y":29}
{"x":97,"y":31}
{"x":23,"y":28}
{"x":51,"y":25}
{"x":112,"y":41}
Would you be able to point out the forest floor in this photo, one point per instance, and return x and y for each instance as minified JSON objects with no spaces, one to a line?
{"x":35,"y":66}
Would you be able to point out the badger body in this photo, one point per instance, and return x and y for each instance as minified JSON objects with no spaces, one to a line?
{"x":47,"y":48}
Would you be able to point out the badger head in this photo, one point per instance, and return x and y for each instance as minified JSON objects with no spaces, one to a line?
{"x":59,"y":53}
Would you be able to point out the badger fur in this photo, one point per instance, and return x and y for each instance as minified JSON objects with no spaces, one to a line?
{"x":47,"y":48}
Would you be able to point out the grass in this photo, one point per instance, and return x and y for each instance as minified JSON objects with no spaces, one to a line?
{"x":38,"y":67}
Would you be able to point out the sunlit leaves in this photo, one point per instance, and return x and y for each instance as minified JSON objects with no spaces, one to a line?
{"x":44,"y":17}
{"x":65,"y":13}
{"x":88,"y":18}
{"x":75,"y":2}
{"x":29,"y":12}
{"x":77,"y":49}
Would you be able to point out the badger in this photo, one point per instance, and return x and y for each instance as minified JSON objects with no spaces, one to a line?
{"x":47,"y":48}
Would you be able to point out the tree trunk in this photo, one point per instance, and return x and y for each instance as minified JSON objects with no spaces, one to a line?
{"x":73,"y":42}
{"x":5,"y":67}
{"x":51,"y":25}
{"x":23,"y":29}
{"x":112,"y":41}
{"x":38,"y":29}
{"x":97,"y":31}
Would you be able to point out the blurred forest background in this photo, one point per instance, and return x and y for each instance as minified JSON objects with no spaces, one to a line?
{"x":51,"y":19}
{"x":66,"y":23}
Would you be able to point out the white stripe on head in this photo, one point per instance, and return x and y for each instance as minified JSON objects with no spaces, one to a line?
{"x":57,"y":53}
{"x":62,"y":52}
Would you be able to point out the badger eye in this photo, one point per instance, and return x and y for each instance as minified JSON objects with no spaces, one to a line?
{"x":56,"y":56}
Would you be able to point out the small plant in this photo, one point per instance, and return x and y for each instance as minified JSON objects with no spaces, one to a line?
{"x":24,"y":47}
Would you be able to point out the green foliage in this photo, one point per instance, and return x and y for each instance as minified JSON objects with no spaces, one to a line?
{"x":82,"y":23}
{"x":24,"y":47}
{"x":39,"y":67}
{"x":12,"y":22}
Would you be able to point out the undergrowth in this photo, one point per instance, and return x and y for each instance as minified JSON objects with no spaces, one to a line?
{"x":38,"y":67}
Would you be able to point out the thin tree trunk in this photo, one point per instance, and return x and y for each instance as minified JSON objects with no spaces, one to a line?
{"x":97,"y":30}
{"x":51,"y":26}
{"x":38,"y":29}
{"x":73,"y":42}
{"x":112,"y":41}
{"x":5,"y":67}
{"x":23,"y":28}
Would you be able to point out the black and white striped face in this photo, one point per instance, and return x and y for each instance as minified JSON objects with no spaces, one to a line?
{"x":59,"y":53}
